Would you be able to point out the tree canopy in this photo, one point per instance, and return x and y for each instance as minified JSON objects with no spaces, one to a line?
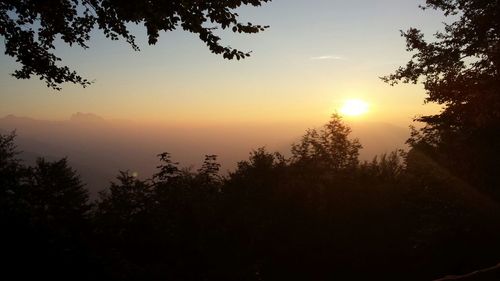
{"x":31,"y":27}
{"x":460,"y":69}
{"x":318,"y":214}
{"x":329,"y":147}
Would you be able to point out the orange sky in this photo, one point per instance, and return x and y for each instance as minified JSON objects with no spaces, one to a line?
{"x":316,"y":55}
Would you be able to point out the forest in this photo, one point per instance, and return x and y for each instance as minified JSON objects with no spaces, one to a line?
{"x":320,"y":214}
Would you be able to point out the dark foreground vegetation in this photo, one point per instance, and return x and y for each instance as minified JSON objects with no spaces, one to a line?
{"x":318,"y":215}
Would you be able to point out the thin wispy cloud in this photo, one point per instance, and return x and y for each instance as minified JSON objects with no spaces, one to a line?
{"x":328,"y":57}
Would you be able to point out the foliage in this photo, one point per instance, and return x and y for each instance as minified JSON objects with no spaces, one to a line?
{"x":209,"y":171}
{"x":124,"y":201}
{"x":57,"y":194}
{"x":44,"y":216}
{"x":31,"y":28}
{"x":460,"y":70}
{"x":386,"y":167}
{"x":11,"y":172}
{"x":7,"y":150}
{"x":320,"y":214}
{"x":328,"y":147}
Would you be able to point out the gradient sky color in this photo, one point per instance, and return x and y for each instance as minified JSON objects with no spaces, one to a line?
{"x":317,"y":54}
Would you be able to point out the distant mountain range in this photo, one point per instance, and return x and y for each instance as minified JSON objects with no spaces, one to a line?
{"x":98,"y":148}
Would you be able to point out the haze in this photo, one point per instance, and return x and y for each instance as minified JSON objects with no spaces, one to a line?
{"x":98,"y":149}
{"x":178,"y":97}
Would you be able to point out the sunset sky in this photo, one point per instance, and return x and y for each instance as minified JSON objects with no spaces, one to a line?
{"x":316,"y":55}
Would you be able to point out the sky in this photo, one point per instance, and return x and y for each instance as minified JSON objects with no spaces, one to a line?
{"x":315,"y":55}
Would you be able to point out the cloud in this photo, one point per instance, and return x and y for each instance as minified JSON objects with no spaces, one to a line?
{"x":329,"y":57}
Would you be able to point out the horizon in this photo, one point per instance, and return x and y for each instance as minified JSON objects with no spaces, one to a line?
{"x":95,"y":145}
{"x":256,"y":140}
{"x":301,"y":70}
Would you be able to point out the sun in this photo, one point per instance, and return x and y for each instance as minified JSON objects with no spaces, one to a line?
{"x":354,"y":107}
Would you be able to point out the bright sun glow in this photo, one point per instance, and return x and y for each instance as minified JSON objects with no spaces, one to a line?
{"x":354,"y":107}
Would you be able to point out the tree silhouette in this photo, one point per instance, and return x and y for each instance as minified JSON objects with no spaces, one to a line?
{"x":329,"y":147}
{"x":123,"y":202}
{"x":460,"y":70}
{"x":44,"y":213}
{"x":11,"y":173}
{"x":14,"y":209}
{"x":209,"y":171}
{"x":57,"y":194}
{"x":31,"y":27}
{"x":272,"y":218}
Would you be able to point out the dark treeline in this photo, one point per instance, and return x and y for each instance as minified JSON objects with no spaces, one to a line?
{"x":318,"y":215}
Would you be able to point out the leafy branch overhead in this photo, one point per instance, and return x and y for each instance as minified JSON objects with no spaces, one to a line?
{"x":30,"y":27}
